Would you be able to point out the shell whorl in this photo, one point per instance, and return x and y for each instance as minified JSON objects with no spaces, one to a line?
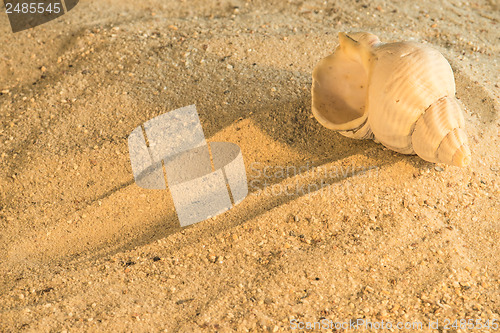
{"x":406,"y":79}
{"x":439,"y":134}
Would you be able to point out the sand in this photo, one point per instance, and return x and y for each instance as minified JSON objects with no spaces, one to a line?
{"x":390,"y":237}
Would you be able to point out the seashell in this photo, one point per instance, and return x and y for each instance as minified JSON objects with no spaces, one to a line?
{"x":399,"y":94}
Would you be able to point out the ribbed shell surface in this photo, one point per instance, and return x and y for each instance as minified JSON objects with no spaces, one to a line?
{"x":405,"y":80}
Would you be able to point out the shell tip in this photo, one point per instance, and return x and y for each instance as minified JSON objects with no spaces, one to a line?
{"x":462,"y":156}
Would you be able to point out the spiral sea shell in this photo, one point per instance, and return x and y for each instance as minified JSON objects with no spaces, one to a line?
{"x":399,"y":94}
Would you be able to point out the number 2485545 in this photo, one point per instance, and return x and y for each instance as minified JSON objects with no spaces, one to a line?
{"x":33,"y":8}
